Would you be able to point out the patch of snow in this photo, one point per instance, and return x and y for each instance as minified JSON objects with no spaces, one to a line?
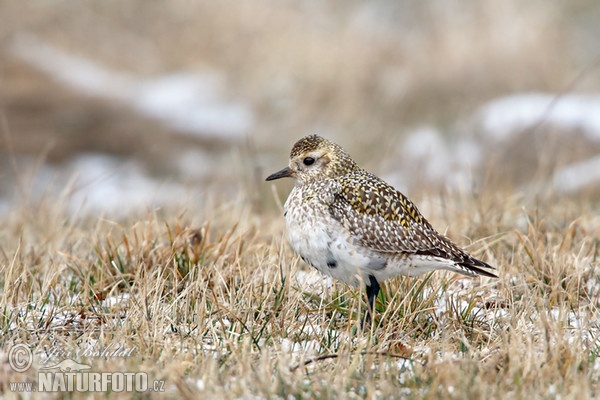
{"x":121,"y":300}
{"x":577,"y":176}
{"x":453,"y":163}
{"x":439,"y":159}
{"x":313,"y":281}
{"x":97,"y":183}
{"x":426,"y":143}
{"x":300,"y":348}
{"x":105,"y":184}
{"x":191,"y":103}
{"x":508,"y":116}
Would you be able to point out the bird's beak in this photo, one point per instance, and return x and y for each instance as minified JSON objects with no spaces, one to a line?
{"x":284,"y":173}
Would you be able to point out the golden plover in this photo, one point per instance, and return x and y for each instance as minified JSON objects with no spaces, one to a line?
{"x":353,"y":226}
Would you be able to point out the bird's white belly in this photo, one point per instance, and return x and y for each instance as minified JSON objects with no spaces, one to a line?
{"x":325,"y":244}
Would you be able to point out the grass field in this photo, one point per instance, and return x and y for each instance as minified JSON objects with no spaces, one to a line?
{"x":129,"y":244}
{"x":212,"y":301}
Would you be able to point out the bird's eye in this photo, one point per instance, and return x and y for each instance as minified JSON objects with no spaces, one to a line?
{"x":308,"y":161}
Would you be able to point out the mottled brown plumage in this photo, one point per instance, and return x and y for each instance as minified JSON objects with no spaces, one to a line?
{"x":352,"y":225}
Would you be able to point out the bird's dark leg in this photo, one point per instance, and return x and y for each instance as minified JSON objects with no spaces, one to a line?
{"x":372,"y":292}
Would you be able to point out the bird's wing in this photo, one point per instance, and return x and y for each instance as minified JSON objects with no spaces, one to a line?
{"x":380,"y":217}
{"x":385,"y":220}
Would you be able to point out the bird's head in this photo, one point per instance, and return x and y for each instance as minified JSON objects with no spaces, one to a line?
{"x":314,"y":157}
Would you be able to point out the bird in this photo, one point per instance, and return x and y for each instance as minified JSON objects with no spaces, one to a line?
{"x":355,"y":227}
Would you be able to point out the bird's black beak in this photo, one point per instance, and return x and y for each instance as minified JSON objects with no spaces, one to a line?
{"x":284,"y":173}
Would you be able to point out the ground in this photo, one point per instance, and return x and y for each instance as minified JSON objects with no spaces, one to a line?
{"x":137,"y":233}
{"x":217,"y":305}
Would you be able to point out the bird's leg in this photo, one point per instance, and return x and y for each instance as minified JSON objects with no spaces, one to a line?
{"x":372,"y":292}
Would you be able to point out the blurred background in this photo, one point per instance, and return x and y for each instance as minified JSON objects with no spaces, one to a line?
{"x":118,"y":106}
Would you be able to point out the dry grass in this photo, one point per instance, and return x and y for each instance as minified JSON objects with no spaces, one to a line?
{"x":211,"y":299}
{"x":220,"y":307}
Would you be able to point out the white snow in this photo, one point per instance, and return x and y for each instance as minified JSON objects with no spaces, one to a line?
{"x":453,"y":162}
{"x":578,"y":175}
{"x":191,"y":103}
{"x":105,"y":184}
{"x":439,"y":159}
{"x":121,"y":300}
{"x":96,"y":183}
{"x":300,"y":348}
{"x":507,"y":116}
{"x":313,"y":281}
